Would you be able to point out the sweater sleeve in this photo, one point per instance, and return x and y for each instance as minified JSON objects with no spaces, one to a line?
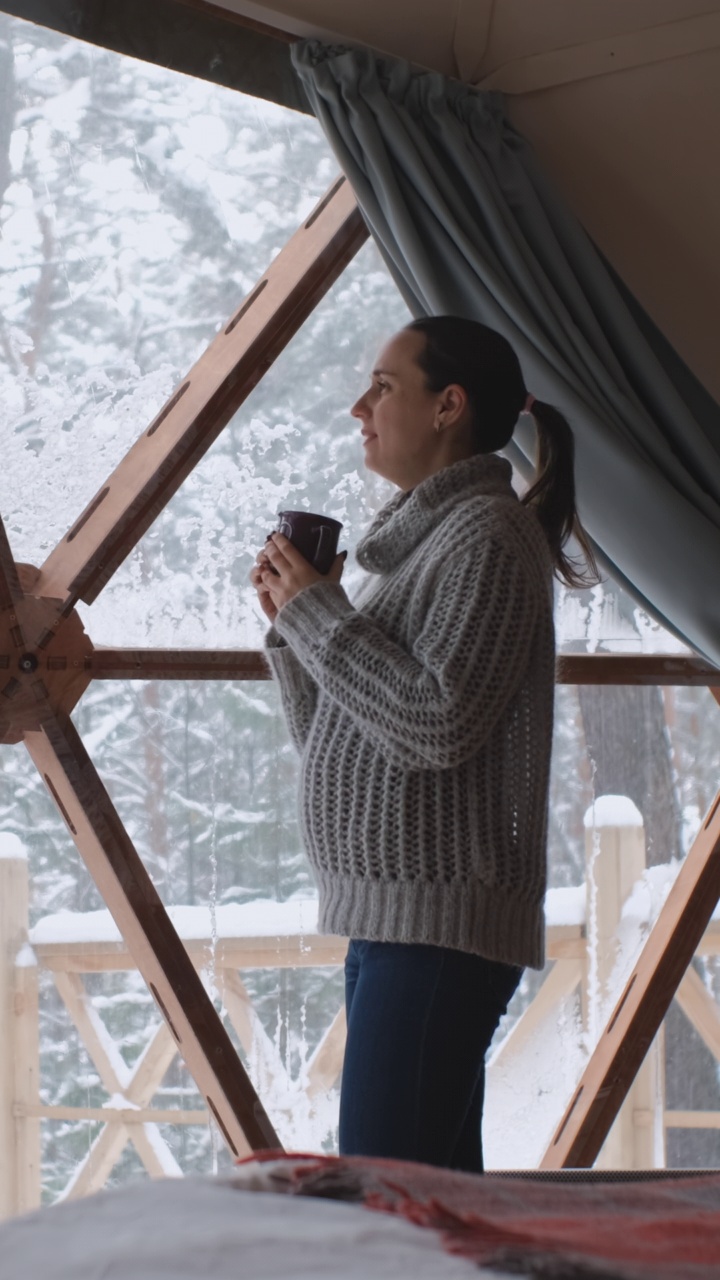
{"x":435,"y":704}
{"x":298,"y":690}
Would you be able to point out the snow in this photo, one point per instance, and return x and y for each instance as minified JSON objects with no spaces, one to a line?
{"x":612,"y":811}
{"x":192,"y":1228}
{"x":25,"y":958}
{"x":262,"y":918}
{"x":118,"y":1102}
{"x":639,"y":912}
{"x":115,"y":1061}
{"x":526,"y":1093}
{"x":606,"y":621}
{"x":161,"y":1151}
{"x":649,"y":893}
{"x":11,"y":846}
{"x":565,"y":906}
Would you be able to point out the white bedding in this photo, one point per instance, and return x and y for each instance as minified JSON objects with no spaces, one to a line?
{"x":205,"y":1229}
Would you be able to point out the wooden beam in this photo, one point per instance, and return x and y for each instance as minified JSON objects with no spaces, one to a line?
{"x":709,"y":944}
{"x":26,"y":1053}
{"x":150,"y":1068}
{"x":144,"y":482}
{"x":179,"y":664}
{"x":315,"y":950}
{"x":239,"y":19}
{"x":262,"y":1053}
{"x":137,"y":1087}
{"x":19,"y":1054}
{"x":127,"y":1116}
{"x":692,"y":1119}
{"x":326,"y":1062}
{"x":10,"y":590}
{"x":159,"y":954}
{"x":43,"y":657}
{"x":634,"y":668}
{"x":665,"y":956}
{"x":95,"y":1169}
{"x":249,"y":664}
{"x":243,"y":1015}
{"x":565,"y":942}
{"x":154,"y":1152}
{"x":700,"y":1009}
{"x":111,"y":1067}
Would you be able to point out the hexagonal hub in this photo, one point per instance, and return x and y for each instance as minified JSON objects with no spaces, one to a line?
{"x":45,"y":659}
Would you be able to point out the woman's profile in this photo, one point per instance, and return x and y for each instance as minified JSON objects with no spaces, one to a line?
{"x":423,"y":715}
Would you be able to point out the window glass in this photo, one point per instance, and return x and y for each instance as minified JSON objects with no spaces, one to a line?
{"x":291,"y":445}
{"x":137,"y":208}
{"x":605,"y":619}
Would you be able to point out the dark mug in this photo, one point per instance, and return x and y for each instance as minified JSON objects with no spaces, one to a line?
{"x":314,"y":536}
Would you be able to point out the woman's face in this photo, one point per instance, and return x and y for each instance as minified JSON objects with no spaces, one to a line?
{"x":401,"y":419}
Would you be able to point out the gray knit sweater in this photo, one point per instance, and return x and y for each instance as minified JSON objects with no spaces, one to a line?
{"x":423,"y":715}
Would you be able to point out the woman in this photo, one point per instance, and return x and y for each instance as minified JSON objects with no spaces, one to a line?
{"x":424,"y":718}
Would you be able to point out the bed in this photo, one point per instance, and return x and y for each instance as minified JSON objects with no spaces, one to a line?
{"x":304,"y":1217}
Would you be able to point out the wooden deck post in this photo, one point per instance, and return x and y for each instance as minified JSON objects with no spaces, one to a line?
{"x":615,"y":861}
{"x":19,"y":1069}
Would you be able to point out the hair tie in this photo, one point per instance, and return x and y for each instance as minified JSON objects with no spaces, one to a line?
{"x":528,"y":406}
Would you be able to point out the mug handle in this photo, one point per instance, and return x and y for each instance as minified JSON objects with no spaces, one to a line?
{"x":286,"y":528}
{"x":325,"y":541}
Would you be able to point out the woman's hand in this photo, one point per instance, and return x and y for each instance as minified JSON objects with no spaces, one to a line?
{"x":263,"y":594}
{"x":281,"y":573}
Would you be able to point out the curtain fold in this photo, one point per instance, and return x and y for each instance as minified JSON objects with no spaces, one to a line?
{"x":468,"y":225}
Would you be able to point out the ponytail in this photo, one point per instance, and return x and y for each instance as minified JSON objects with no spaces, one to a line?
{"x":553,"y":496}
{"x":486,"y":366}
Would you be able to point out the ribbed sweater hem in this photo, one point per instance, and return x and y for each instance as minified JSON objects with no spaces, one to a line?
{"x":464,"y":916}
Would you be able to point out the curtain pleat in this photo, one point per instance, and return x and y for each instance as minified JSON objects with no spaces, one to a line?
{"x":468,"y":225}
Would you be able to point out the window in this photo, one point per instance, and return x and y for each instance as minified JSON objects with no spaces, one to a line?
{"x":138,"y":207}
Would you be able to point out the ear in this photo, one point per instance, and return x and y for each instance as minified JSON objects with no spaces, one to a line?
{"x":451,"y":406}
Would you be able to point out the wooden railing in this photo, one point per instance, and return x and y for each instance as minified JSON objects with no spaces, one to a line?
{"x":615,"y":855}
{"x":72,"y":946}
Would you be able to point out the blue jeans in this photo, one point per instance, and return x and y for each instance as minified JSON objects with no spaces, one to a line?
{"x":420,"y":1020}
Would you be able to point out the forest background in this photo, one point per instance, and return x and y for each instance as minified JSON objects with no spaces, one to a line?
{"x":137,"y":208}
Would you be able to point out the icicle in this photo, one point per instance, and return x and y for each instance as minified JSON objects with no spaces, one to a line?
{"x":591,"y":929}
{"x":212,"y":967}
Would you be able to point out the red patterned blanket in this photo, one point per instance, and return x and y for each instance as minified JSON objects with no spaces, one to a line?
{"x":556,"y":1229}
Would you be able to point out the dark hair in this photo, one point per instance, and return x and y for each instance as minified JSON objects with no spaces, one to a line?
{"x":484,"y":364}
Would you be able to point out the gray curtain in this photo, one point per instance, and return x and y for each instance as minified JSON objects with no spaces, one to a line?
{"x":468,"y":225}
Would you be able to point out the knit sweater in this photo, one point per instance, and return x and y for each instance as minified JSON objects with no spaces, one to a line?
{"x":423,"y":715}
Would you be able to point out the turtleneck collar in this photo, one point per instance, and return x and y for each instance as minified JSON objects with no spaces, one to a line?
{"x":409,"y":517}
